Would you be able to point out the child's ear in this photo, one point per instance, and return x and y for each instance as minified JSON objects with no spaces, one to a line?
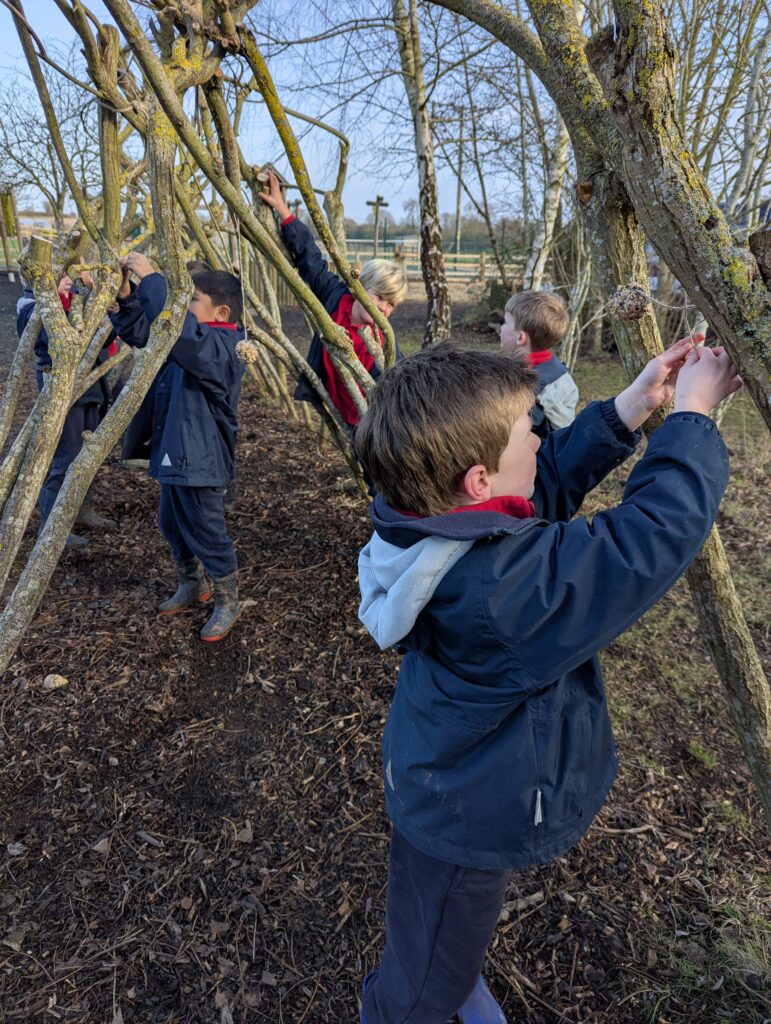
{"x":474,"y":485}
{"x":223,"y":314}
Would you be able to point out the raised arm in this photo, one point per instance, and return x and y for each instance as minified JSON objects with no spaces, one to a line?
{"x":589,"y":581}
{"x":575,"y":459}
{"x":326,"y":286}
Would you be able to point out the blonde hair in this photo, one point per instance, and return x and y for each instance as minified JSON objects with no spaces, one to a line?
{"x":541,"y":315}
{"x":385,"y":277}
{"x":436,"y":414}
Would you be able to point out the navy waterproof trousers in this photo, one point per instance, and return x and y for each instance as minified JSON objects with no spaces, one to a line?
{"x":192,"y":520}
{"x":439,"y":921}
{"x":78,"y":419}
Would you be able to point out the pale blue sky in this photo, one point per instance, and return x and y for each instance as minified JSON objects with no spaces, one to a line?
{"x":258,"y":145}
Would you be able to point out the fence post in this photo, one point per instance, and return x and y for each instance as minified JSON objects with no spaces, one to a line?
{"x":482,"y":267}
{"x":4,"y":233}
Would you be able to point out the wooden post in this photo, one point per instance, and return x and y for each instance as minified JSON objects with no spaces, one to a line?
{"x":16,"y":223}
{"x":482,"y":267}
{"x":295,"y":205}
{"x":4,"y":233}
{"x":378,"y":202}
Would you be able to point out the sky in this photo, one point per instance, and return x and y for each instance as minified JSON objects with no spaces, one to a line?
{"x":361,"y":186}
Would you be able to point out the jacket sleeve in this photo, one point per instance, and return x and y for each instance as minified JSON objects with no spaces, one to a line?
{"x":575,"y":459}
{"x":558,"y":401}
{"x":312,"y":267}
{"x":200,"y":353}
{"x":23,"y":314}
{"x":137,"y":310}
{"x":586,"y":582}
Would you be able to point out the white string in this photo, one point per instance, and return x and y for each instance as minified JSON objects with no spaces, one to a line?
{"x":237,"y":226}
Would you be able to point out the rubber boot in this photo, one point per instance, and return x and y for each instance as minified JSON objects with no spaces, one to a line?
{"x":193,"y":588}
{"x":481,"y":1006}
{"x":45,"y":502}
{"x":88,"y":516}
{"x":226,"y":609}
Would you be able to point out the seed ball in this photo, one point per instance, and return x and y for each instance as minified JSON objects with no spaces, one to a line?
{"x":247,"y":352}
{"x":629,"y":302}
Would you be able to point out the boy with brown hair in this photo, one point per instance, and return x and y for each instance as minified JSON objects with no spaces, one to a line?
{"x":534,"y":323}
{"x":498,"y":750}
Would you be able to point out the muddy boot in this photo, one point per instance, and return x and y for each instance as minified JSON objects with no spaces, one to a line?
{"x":45,"y":503}
{"x":88,"y":516}
{"x":226,"y":609}
{"x":193,"y":588}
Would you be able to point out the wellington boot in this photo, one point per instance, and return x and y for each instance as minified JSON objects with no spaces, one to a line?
{"x":226,"y":609}
{"x":46,"y":502}
{"x":193,"y":588}
{"x":88,"y":516}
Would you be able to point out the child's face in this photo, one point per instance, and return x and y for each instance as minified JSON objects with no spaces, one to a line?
{"x":512,"y":338}
{"x":204,"y":310}
{"x":359,"y":315}
{"x":517,"y":465}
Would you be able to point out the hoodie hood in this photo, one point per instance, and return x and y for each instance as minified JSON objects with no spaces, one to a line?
{"x":397,"y":583}
{"x":409,"y":556}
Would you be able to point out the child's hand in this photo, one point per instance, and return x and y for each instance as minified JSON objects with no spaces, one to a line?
{"x":125,"y":285}
{"x":655,"y":385}
{"x":274,"y":197}
{"x":138,"y":264}
{"x":707,"y":377}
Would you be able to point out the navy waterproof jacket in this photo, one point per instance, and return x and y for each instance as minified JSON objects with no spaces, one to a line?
{"x":498,"y":749}
{"x":99,"y":393}
{"x":196,"y":393}
{"x":328,"y":288}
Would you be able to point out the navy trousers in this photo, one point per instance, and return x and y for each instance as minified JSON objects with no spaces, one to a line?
{"x":78,"y":419}
{"x":439,"y":921}
{"x":192,"y":520}
{"x":139,"y":433}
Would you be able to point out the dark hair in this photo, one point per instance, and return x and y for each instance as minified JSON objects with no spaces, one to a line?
{"x":434,"y":415}
{"x":195,"y":267}
{"x":223,"y":289}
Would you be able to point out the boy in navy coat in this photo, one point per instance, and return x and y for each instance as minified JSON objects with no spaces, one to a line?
{"x":85,"y":414}
{"x":384,"y":280}
{"x":533,"y":324}
{"x":193,"y":433}
{"x":498,"y":750}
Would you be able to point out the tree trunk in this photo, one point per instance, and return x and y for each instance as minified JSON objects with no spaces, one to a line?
{"x":619,"y":248}
{"x":37,"y":573}
{"x":544,"y":229}
{"x":635,"y":66}
{"x":431,"y":248}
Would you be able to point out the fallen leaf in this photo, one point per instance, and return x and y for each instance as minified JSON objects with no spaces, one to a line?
{"x":103,"y":846}
{"x":54,"y":682}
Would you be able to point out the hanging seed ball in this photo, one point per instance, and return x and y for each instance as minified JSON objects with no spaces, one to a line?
{"x":629,"y":302}
{"x":246,"y":351}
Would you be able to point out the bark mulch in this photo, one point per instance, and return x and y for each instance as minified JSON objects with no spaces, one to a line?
{"x":194,"y":833}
